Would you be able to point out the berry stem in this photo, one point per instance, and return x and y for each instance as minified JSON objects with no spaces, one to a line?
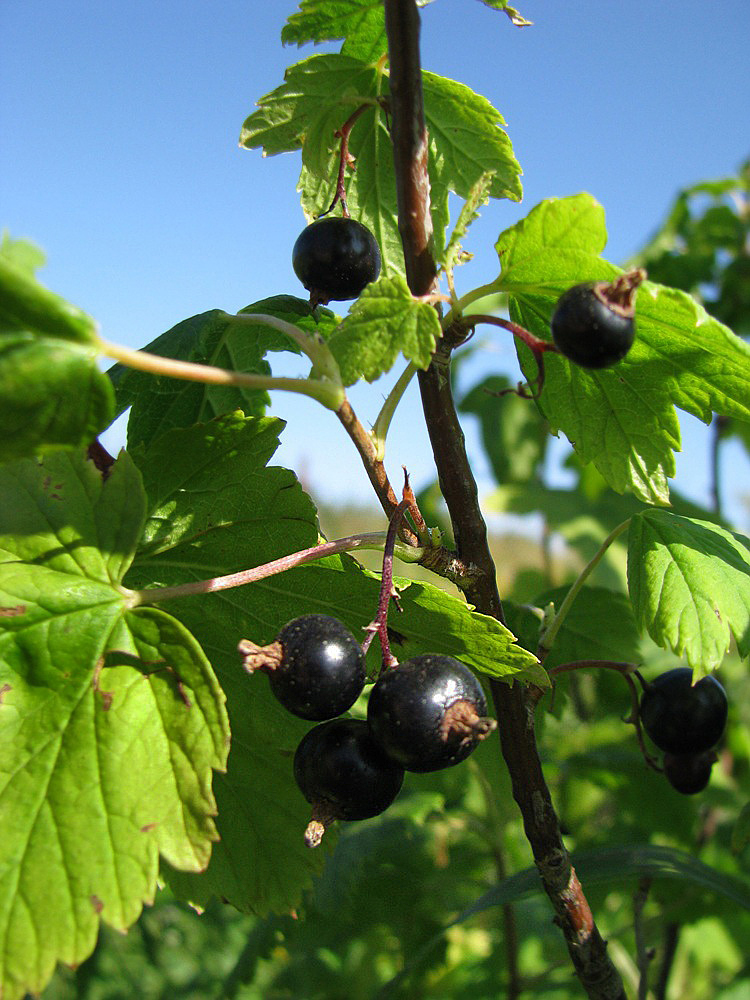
{"x":549,"y":634}
{"x":345,"y":160}
{"x":536,"y":345}
{"x":379,"y":625}
{"x":620,"y":666}
{"x":369,"y":540}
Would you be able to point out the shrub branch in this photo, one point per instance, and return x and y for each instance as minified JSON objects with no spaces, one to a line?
{"x":515,"y":712}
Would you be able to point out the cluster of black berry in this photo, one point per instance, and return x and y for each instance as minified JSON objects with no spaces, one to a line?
{"x":423,"y":715}
{"x":686,"y":721}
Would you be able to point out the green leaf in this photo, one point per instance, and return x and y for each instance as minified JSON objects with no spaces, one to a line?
{"x":623,"y":418}
{"x":599,"y":626}
{"x":601,"y":866}
{"x":436,"y":622}
{"x":161,"y":403}
{"x":741,"y":830}
{"x":478,"y":196}
{"x":27,"y":305}
{"x":25,"y":256}
{"x":52,"y":394}
{"x":689,"y":582}
{"x":467,"y":140}
{"x":211,"y":494}
{"x":361,"y":23}
{"x":112,"y":721}
{"x":517,"y":19}
{"x":59,"y":512}
{"x":513,"y":435}
{"x":215,"y":507}
{"x":558,"y":243}
{"x":384,"y":321}
{"x":318,"y":96}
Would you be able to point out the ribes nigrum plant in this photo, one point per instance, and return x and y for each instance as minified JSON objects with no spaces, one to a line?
{"x":344,"y":773}
{"x":593,"y":323}
{"x":315,"y":666}
{"x":428,"y":713}
{"x":681,"y":717}
{"x":335,"y":258}
{"x":689,"y":773}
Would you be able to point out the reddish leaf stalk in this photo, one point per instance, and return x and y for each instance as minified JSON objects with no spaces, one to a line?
{"x":281,"y":565}
{"x":587,"y":949}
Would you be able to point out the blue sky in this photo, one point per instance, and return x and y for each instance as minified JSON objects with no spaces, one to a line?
{"x":118,"y":139}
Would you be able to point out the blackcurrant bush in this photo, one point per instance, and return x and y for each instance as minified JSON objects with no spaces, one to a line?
{"x":316,"y":668}
{"x":682,"y":717}
{"x":428,"y":713}
{"x":344,"y":773}
{"x":335,"y":258}
{"x":593,"y":323}
{"x":689,"y":773}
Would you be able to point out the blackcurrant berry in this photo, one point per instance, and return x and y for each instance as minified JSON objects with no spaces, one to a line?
{"x":335,"y":258}
{"x":428,"y":713}
{"x":682,"y":717}
{"x":593,"y":323}
{"x":689,"y":773}
{"x":344,"y":773}
{"x":316,"y":668}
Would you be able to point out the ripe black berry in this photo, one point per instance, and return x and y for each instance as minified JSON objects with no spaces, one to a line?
{"x":316,"y":668}
{"x":343,"y":772}
{"x":682,"y":717}
{"x":689,"y":773}
{"x":428,"y":713}
{"x":335,"y":258}
{"x":593,"y":323}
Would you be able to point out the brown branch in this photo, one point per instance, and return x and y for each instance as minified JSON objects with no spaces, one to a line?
{"x":439,"y":559}
{"x":373,"y":466}
{"x":409,"y":136}
{"x":586,"y":947}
